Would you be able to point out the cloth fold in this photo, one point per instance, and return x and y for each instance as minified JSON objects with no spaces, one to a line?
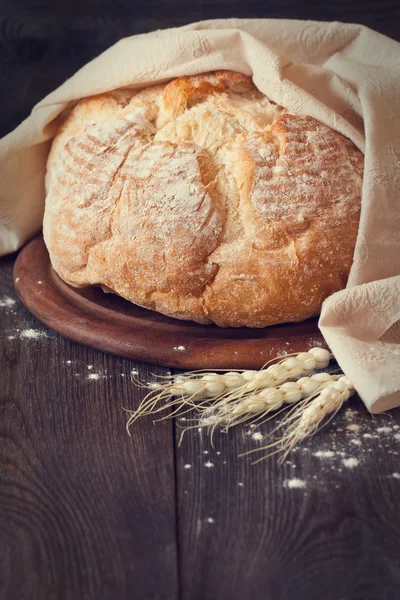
{"x":344,"y":75}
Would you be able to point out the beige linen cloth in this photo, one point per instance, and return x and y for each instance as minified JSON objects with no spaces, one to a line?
{"x":346,"y":76}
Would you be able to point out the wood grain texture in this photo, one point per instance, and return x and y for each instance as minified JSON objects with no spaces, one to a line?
{"x":43,"y":42}
{"x":245,"y":533}
{"x":85,"y":510}
{"x":110,"y":323}
{"x":88,"y":513}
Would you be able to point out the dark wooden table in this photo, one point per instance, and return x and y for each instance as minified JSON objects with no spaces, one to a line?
{"x":87,"y":512}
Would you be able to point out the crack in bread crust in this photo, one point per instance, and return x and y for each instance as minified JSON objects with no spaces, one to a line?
{"x":203,"y":200}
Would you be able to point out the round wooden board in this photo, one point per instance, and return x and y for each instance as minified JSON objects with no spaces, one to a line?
{"x":109,"y":323}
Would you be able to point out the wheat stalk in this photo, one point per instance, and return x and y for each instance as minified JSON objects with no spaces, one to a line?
{"x":228,"y":413}
{"x":226,"y":399}
{"x":198,"y":388}
{"x":309,"y":416}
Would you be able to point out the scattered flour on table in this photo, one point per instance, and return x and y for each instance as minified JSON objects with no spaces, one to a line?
{"x":257,"y":437}
{"x":353,"y":427}
{"x":350,"y":414}
{"x":208,"y":464}
{"x":6,"y":301}
{"x":27,"y":334}
{"x":94,"y":376}
{"x":210,"y":520}
{"x":397,"y":436}
{"x":294,"y":483}
{"x":90,"y":367}
{"x":187,"y":466}
{"x":384,"y":430}
{"x":240,"y":484}
{"x":396,"y":475}
{"x":350,"y":463}
{"x":356,"y":442}
{"x":32,"y":334}
{"x":179,"y":348}
{"x":324,"y":454}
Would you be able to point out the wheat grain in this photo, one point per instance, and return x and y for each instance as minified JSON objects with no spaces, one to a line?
{"x":228,"y":411}
{"x":226,"y":399}
{"x":181,"y":393}
{"x":310,"y":414}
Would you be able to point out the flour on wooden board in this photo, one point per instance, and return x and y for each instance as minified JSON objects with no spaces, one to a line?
{"x":353,"y":427}
{"x":95,"y":376}
{"x":350,"y":463}
{"x":384,"y":430}
{"x":324,"y":454}
{"x":27,"y":334}
{"x":31,"y":334}
{"x":350,"y":414}
{"x":356,"y":442}
{"x":294,"y":483}
{"x":6,"y":302}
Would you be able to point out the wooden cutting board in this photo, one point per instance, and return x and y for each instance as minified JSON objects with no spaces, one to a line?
{"x":111,"y":324}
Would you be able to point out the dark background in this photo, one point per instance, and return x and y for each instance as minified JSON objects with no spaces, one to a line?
{"x":43,"y":42}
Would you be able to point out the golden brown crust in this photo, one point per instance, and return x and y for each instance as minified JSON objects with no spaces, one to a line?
{"x":203,"y":200}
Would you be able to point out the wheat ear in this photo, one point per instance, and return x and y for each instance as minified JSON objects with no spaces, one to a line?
{"x":308,"y":417}
{"x":224,"y":391}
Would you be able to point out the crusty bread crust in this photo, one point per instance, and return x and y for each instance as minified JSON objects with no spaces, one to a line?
{"x":203,"y":200}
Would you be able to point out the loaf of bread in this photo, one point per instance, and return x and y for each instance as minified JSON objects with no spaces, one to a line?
{"x":203,"y":200}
